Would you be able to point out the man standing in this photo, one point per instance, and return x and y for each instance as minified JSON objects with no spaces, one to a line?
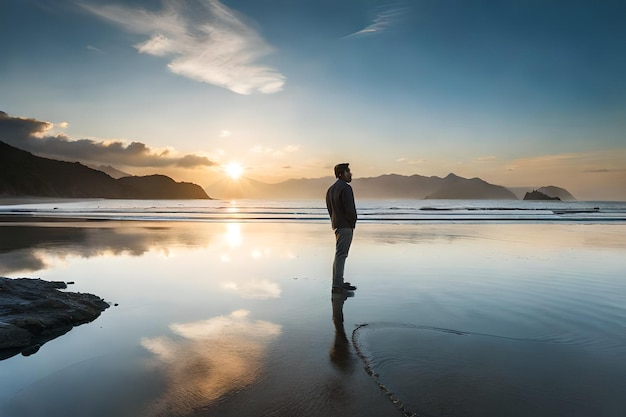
{"x":342,"y":211}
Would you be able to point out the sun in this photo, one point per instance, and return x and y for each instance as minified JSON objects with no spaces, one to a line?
{"x":233,"y":170}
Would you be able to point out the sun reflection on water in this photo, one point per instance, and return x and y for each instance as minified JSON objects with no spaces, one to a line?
{"x":233,"y":235}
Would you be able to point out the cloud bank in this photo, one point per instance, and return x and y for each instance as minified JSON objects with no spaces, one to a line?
{"x":31,"y":135}
{"x":205,"y":40}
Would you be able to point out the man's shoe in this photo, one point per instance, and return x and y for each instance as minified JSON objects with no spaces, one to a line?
{"x":348,"y":286}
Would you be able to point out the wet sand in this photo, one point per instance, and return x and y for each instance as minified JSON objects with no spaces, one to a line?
{"x":236,"y":319}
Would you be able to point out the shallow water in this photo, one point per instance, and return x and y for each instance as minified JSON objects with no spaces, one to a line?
{"x":236,"y":319}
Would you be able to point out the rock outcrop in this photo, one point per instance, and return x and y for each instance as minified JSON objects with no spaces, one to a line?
{"x":561,"y":193}
{"x":34,"y":311}
{"x":538,"y":195}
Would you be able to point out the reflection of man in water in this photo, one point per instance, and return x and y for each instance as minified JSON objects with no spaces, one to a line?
{"x":342,"y":211}
{"x":340,"y":352}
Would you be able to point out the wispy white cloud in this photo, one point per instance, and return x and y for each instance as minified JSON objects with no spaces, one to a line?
{"x":94,"y":49}
{"x":410,"y":161}
{"x":488,"y":158}
{"x":205,"y":40}
{"x":593,"y":161}
{"x":274,"y":152}
{"x":386,"y":17}
{"x":291,"y":148}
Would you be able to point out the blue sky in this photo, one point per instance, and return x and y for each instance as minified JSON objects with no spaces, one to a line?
{"x":519,"y":93}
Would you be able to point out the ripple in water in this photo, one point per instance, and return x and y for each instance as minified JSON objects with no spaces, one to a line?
{"x":429,"y":371}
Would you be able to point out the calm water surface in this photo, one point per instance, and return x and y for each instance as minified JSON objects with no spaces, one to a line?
{"x":235,"y":319}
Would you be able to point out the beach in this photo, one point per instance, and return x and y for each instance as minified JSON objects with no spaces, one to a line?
{"x":235,"y":318}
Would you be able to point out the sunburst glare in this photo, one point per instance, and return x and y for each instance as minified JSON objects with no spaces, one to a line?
{"x":233,"y":170}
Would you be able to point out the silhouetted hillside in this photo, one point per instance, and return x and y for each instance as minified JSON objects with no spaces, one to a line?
{"x":455,"y":187}
{"x":161,"y":187}
{"x":396,"y":186}
{"x":538,"y":195}
{"x":24,"y":174}
{"x":111,"y":171}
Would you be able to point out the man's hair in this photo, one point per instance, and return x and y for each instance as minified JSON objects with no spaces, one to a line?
{"x":340,"y":169}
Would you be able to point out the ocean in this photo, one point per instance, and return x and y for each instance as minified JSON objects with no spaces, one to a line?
{"x":397,"y":211}
{"x":223,"y":308}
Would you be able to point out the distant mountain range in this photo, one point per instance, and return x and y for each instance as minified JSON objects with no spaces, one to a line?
{"x":24,"y":174}
{"x":111,"y":171}
{"x":390,"y":186}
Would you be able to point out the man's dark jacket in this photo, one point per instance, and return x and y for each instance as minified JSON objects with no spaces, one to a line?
{"x":340,"y":204}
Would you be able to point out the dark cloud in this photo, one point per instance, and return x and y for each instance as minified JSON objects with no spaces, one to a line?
{"x":191,"y":161}
{"x":30,"y":135}
{"x":598,"y":171}
{"x":21,"y":127}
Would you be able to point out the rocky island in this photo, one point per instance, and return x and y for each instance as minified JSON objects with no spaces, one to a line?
{"x":537,"y":195}
{"x":34,"y":311}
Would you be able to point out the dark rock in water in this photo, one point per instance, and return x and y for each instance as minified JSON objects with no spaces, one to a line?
{"x":12,"y":336}
{"x":34,"y":311}
{"x":561,"y":193}
{"x":538,"y":195}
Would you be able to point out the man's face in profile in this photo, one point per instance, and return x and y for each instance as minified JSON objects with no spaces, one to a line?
{"x":347,"y":175}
